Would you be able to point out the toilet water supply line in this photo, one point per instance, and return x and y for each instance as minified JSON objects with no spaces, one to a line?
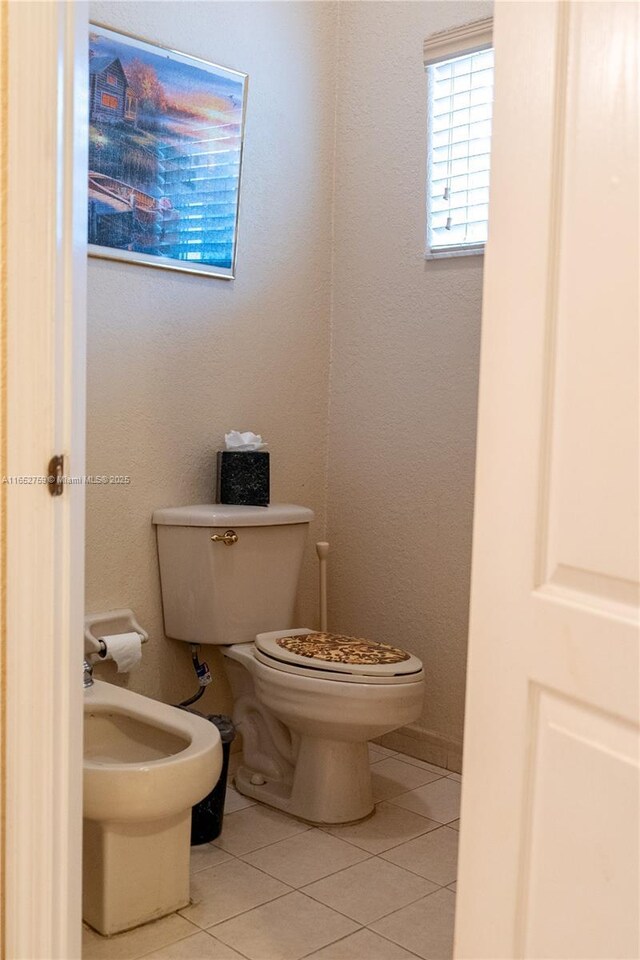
{"x":202,"y":669}
{"x":203,"y":674}
{"x":322,"y":549}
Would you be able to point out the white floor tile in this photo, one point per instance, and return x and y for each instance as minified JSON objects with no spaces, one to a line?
{"x":389,"y":826}
{"x":255,"y":827}
{"x":441,"y":771}
{"x":135,"y":943}
{"x":206,"y":855}
{"x":231,"y":888}
{"x":424,"y":927}
{"x":439,"y":800}
{"x":391,"y":777}
{"x":287,"y":929}
{"x":236,"y":801}
{"x":305,"y":857}
{"x":434,"y":856}
{"x":201,"y":946}
{"x":363,"y":945}
{"x":369,"y":890}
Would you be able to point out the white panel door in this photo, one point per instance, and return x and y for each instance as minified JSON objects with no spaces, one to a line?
{"x":549,"y":840}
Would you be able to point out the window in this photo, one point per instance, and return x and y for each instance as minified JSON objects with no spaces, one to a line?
{"x":459,"y":67}
{"x":112,"y":80}
{"x":108,"y":101}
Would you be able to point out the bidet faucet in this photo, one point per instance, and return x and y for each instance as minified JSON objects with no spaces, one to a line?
{"x":88,"y":674}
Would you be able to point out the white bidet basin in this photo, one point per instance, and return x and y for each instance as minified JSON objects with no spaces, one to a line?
{"x":145,"y":765}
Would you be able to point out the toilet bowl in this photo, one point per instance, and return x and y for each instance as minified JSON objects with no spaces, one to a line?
{"x":145,"y":765}
{"x":306,"y":728}
{"x":305,"y":704}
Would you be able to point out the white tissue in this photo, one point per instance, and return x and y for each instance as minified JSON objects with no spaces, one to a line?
{"x":243,"y":441}
{"x":125,"y":649}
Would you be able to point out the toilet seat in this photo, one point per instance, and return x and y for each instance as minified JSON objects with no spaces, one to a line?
{"x":336,"y":657}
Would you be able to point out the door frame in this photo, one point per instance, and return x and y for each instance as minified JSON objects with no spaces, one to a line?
{"x":42,"y":398}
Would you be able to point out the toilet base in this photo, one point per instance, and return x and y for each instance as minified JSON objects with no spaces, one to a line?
{"x":331,"y":783}
{"x":134,"y":872}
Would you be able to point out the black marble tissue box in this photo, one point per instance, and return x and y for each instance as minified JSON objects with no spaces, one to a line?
{"x":243,"y":477}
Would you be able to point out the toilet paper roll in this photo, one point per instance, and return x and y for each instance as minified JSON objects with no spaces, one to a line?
{"x":125,"y":649}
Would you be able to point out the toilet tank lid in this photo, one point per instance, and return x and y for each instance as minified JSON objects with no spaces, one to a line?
{"x":228,"y":515}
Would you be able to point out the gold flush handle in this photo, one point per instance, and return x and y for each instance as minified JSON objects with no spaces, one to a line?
{"x":228,"y":539}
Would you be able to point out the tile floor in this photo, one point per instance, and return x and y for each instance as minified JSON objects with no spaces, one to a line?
{"x":272,"y":888}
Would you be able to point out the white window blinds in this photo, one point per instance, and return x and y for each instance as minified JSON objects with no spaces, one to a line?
{"x":460,"y":92}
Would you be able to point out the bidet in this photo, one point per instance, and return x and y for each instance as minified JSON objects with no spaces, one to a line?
{"x":145,"y":765}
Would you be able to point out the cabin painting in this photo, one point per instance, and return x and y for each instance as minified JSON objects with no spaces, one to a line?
{"x":109,"y":98}
{"x":165,"y":152}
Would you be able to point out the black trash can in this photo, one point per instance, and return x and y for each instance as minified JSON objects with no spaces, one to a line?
{"x":206,"y":816}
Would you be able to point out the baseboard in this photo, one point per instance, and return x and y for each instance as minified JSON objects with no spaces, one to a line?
{"x":425,"y":745}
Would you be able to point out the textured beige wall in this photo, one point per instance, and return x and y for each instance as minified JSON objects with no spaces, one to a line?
{"x":404,"y":365}
{"x":175,"y":360}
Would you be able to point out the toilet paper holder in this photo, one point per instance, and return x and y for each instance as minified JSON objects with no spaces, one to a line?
{"x":99,"y":625}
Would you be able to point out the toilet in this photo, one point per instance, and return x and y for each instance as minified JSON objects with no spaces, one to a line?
{"x":145,"y":765}
{"x":305,"y":702}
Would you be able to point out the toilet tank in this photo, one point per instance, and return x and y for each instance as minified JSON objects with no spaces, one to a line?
{"x":219,"y":593}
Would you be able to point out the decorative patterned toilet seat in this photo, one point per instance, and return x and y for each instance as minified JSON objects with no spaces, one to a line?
{"x":337,"y":648}
{"x":336,"y":656}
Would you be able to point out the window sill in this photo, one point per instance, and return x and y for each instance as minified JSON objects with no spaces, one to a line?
{"x":455,"y":252}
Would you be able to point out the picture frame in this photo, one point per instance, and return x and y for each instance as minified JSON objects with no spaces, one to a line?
{"x":166,"y":139}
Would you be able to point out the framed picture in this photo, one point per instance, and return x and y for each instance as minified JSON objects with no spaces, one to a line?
{"x":165,"y":155}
